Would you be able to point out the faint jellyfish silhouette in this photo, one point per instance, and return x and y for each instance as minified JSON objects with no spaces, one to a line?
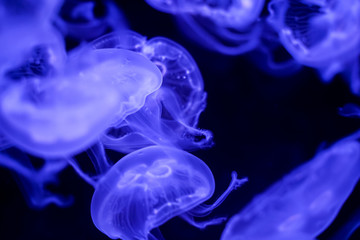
{"x":305,"y":202}
{"x":65,"y":114}
{"x":33,"y":181}
{"x":170,"y":115}
{"x":229,"y":27}
{"x":148,"y":187}
{"x":89,"y":19}
{"x":25,"y":25}
{"x":320,"y":34}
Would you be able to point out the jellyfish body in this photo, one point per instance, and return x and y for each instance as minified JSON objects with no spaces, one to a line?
{"x":169,"y":115}
{"x":305,"y":202}
{"x":229,"y":27}
{"x":87,"y":20}
{"x":147,"y":187}
{"x":320,"y":34}
{"x":63,"y":115}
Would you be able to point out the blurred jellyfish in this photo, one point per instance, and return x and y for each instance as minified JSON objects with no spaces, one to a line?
{"x":65,"y":114}
{"x":88,"y":19}
{"x":305,"y":202}
{"x":34,"y":181}
{"x":148,"y":187}
{"x":229,"y":27}
{"x":24,"y":26}
{"x":320,"y":34}
{"x":170,"y":115}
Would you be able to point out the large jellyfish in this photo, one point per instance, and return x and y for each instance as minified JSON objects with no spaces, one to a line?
{"x":229,"y":27}
{"x":170,"y":115}
{"x":147,"y":187}
{"x":305,"y":202}
{"x":320,"y":34}
{"x":64,"y":114}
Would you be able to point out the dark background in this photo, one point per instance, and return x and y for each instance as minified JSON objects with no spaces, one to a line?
{"x":263,"y":127}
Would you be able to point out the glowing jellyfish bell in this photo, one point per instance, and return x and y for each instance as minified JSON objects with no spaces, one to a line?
{"x":170,"y":115}
{"x":147,"y":187}
{"x":63,"y":115}
{"x":229,"y":27}
{"x":320,"y":34}
{"x":305,"y":202}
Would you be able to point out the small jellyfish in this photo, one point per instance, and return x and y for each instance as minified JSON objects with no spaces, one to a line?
{"x":87,"y":20}
{"x":303,"y":203}
{"x":65,"y":114}
{"x":148,"y":187}
{"x":320,"y":34}
{"x":169,"y":115}
{"x":229,"y":27}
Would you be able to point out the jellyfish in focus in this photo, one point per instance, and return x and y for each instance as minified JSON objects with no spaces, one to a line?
{"x":65,"y":114}
{"x":89,"y":19}
{"x":319,"y":34}
{"x":229,"y":27}
{"x":305,"y":202}
{"x":148,"y":187}
{"x":170,"y":114}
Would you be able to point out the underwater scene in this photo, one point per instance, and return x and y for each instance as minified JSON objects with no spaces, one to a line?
{"x":180,"y":119}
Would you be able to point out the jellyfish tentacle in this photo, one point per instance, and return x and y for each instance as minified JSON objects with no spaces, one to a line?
{"x":203,"y":224}
{"x":205,"y":209}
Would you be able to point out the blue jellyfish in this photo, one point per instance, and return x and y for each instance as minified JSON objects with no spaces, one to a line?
{"x":147,"y":187}
{"x":169,"y":115}
{"x":229,"y":27}
{"x":64,"y":114}
{"x":87,"y":20}
{"x":305,"y":202}
{"x":320,"y":34}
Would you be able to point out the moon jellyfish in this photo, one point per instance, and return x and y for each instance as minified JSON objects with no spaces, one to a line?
{"x":169,"y":115}
{"x":87,"y":20}
{"x":148,"y":187}
{"x":65,"y":114}
{"x":305,"y":202}
{"x":320,"y":34}
{"x":229,"y":27}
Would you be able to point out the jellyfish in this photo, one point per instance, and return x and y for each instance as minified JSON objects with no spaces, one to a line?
{"x":170,"y":115}
{"x":148,"y":187}
{"x":229,"y":27}
{"x":65,"y":114}
{"x":25,"y":25}
{"x":319,"y":34}
{"x":303,"y":203}
{"x":87,"y":20}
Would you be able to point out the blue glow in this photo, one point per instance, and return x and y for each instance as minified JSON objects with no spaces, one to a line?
{"x":305,"y":202}
{"x":148,"y":187}
{"x":320,"y":34}
{"x":170,"y":115}
{"x":65,"y":114}
{"x":229,"y":27}
{"x":92,"y":109}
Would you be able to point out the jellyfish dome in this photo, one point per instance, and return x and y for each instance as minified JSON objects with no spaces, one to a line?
{"x":147,"y":187}
{"x":239,"y":13}
{"x":64,"y":114}
{"x":320,"y":34}
{"x":169,"y":115}
{"x":305,"y":202}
